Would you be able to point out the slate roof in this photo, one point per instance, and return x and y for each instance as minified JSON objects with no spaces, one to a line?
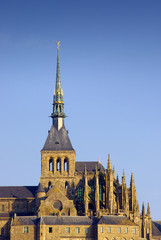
{"x":90,"y":166}
{"x":57,"y":140}
{"x":18,"y":192}
{"x":116,"y":220}
{"x":25,"y":220}
{"x":156,"y":228}
{"x":40,"y":188}
{"x":66,"y":220}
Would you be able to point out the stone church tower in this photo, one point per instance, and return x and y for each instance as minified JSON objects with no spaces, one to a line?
{"x":73,"y":200}
{"x":57,"y":155}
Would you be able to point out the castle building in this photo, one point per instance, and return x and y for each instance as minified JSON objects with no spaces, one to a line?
{"x":74,"y":200}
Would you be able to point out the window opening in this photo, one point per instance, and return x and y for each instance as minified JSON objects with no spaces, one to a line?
{"x":66,"y":185}
{"x":77,"y":230}
{"x":49,"y":185}
{"x":50,"y":230}
{"x":26,"y":229}
{"x":65,"y":164}
{"x":51,"y":164}
{"x":2,"y":208}
{"x":58,"y":163}
{"x":67,"y":229}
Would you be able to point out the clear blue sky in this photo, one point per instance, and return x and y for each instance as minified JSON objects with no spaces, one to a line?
{"x":110,"y":60}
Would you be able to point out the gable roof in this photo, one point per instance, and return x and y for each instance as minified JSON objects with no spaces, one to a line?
{"x":90,"y":166}
{"x":18,"y":191}
{"x":116,"y":220}
{"x":66,"y":220}
{"x":57,"y":140}
{"x":156,"y":228}
{"x":24,"y":220}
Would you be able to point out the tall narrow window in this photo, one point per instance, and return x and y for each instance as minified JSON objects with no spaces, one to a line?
{"x":67,"y":229}
{"x":109,"y":229}
{"x":2,"y":207}
{"x":51,"y":164}
{"x":101,"y":229}
{"x":26,"y":229}
{"x":77,"y":230}
{"x":66,"y":185}
{"x":50,"y":229}
{"x":49,"y":185}
{"x":126,"y":230}
{"x":66,"y":164}
{"x":119,"y":230}
{"x":58,"y":164}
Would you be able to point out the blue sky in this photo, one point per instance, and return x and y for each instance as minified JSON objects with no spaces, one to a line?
{"x":110,"y":61}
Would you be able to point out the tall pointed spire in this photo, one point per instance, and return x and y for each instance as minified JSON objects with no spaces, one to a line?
{"x":109,"y":162}
{"x":148,"y":210}
{"x":58,"y":103}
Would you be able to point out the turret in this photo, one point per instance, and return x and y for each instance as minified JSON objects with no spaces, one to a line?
{"x":97,"y":202}
{"x":85,"y":192}
{"x":148,"y":210}
{"x":109,"y":186}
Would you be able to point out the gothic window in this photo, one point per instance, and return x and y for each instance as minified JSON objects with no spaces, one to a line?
{"x":51,"y":164}
{"x":66,"y":164}
{"x":58,"y":164}
{"x":59,"y":108}
{"x":66,"y":185}
{"x":2,"y":208}
{"x":80,"y":193}
{"x":18,"y":208}
{"x":100,"y":192}
{"x":49,"y":185}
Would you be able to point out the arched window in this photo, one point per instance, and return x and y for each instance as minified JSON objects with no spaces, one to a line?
{"x":66,"y":164}
{"x":49,"y":185}
{"x":59,"y":108}
{"x":51,"y":164}
{"x":58,"y":164}
{"x":66,"y":185}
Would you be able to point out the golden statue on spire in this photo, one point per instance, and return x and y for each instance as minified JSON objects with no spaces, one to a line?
{"x":58,"y":44}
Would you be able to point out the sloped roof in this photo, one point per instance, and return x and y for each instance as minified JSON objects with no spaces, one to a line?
{"x":25,"y":220}
{"x":40,"y":188}
{"x":116,"y":220}
{"x":66,"y":220}
{"x":90,"y":166}
{"x":156,"y":228}
{"x":18,"y":191}
{"x":57,"y":140}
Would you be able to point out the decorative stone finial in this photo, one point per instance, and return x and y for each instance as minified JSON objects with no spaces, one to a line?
{"x":109,"y":162}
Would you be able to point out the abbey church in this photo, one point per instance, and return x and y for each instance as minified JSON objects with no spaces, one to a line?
{"x":74,"y":200}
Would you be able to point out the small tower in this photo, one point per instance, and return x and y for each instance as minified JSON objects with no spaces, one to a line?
{"x":109,"y":186}
{"x":97,"y":200}
{"x":85,"y":192}
{"x":57,"y":155}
